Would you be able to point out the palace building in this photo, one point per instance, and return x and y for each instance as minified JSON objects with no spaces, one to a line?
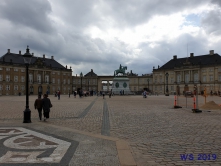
{"x":203,"y":72}
{"x":45,"y":74}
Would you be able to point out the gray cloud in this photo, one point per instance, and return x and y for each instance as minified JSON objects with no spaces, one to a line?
{"x":58,"y":28}
{"x":22,"y":13}
{"x":211,"y":22}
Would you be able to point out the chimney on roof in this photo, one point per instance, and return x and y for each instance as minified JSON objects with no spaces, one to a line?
{"x":191,"y":55}
{"x":19,"y":52}
{"x":66,"y":66}
{"x":76,"y":75}
{"x":131,"y":71}
{"x":158,"y":66}
{"x":70,"y":67}
{"x":153,"y":67}
{"x":32,"y":54}
{"x":211,"y":52}
{"x":91,"y":70}
{"x":175,"y":57}
{"x":43,"y":55}
{"x":8,"y":51}
{"x":52,"y":57}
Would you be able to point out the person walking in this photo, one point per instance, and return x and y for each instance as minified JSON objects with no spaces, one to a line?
{"x":38,"y":105}
{"x":46,"y":104}
{"x":103,"y":93}
{"x":110,"y":92}
{"x":75,"y":94}
{"x":59,"y":93}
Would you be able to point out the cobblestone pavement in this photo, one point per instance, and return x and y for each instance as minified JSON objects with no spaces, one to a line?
{"x":156,"y":133}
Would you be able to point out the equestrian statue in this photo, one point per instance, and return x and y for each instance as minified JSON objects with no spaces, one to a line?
{"x":120,"y":70}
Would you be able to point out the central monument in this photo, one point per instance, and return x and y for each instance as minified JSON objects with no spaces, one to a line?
{"x":121,"y":82}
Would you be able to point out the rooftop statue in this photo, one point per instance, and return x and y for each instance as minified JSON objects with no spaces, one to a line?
{"x":120,"y":70}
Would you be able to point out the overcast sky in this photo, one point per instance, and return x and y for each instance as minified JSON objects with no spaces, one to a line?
{"x":101,"y":35}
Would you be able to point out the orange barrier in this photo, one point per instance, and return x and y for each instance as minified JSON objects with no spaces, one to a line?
{"x":194,"y":102}
{"x":174,"y":100}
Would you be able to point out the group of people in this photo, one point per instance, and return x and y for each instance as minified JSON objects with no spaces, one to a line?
{"x":44,"y":104}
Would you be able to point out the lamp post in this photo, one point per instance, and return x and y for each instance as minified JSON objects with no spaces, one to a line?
{"x":27,"y":112}
{"x":148,"y":84}
{"x":167,"y":91}
{"x":81,"y":75}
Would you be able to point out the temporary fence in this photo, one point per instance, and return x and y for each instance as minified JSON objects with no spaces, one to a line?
{"x":185,"y":101}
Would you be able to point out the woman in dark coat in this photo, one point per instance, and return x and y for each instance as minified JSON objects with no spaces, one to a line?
{"x":46,"y":104}
{"x":38,"y":105}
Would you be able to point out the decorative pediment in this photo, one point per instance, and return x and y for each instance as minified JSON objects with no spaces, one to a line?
{"x":39,"y":62}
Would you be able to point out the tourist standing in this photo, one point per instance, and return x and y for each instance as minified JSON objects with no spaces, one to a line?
{"x":59,"y":93}
{"x":38,"y":105}
{"x":46,"y":104}
{"x":75,"y":94}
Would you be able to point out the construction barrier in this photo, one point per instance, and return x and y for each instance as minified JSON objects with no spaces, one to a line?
{"x":183,"y":102}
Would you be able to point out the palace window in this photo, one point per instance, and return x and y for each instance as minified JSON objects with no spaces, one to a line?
{"x":187,"y":78}
{"x":58,"y":81}
{"x":171,"y":80}
{"x":16,"y":87}
{"x":7,"y":69}
{"x":204,"y":78}
{"x":219,"y":77}
{"x":47,"y":78}
{"x":196,"y":77}
{"x":22,"y":70}
{"x":7,"y":87}
{"x":64,"y":81}
{"x":0,"y":77}
{"x":22,"y":79}
{"x":171,"y":88}
{"x":53,"y":80}
{"x":211,"y":77}
{"x":0,"y":87}
{"x":211,"y":70}
{"x":178,"y":78}
{"x":1,"y":68}
{"x":39,"y":78}
{"x":22,"y":87}
{"x":30,"y":78}
{"x":68,"y":81}
{"x":7,"y":78}
{"x":15,"y":69}
{"x":16,"y":78}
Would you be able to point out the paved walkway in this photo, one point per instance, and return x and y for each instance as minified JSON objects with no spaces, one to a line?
{"x":122,"y":130}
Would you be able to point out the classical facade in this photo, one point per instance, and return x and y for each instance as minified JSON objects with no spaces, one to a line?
{"x":45,"y":74}
{"x":92,"y":81}
{"x":203,"y":71}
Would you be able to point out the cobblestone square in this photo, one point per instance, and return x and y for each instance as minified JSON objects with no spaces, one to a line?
{"x":156,"y":133}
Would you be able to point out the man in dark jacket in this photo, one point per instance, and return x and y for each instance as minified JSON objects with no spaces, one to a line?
{"x":38,"y":105}
{"x":46,"y":104}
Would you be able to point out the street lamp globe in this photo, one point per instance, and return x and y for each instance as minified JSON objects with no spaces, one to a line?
{"x":27,"y":57}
